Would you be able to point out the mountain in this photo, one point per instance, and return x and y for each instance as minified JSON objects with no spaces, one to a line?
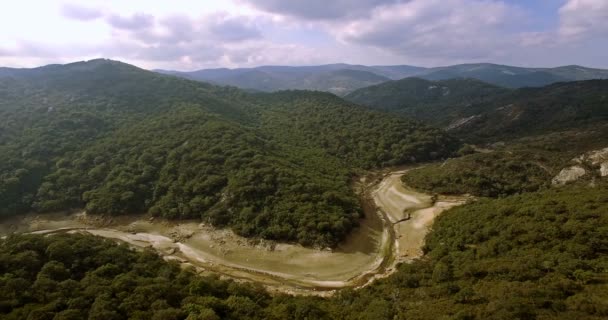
{"x":431,"y":101}
{"x":478,"y":110}
{"x":530,"y":111}
{"x":342,"y":79}
{"x":115,"y":139}
{"x":514,"y":77}
{"x":339,"y":79}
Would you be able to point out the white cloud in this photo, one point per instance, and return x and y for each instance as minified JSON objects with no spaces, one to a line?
{"x":319,"y":9}
{"x":456,"y":29}
{"x":135,"y":22}
{"x":584,"y":18}
{"x":187,"y":34}
{"x":77,"y":12}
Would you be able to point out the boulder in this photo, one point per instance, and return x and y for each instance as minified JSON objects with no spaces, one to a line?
{"x":569,"y":174}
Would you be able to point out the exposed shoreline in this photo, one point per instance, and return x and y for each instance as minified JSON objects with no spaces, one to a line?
{"x":372,"y":251}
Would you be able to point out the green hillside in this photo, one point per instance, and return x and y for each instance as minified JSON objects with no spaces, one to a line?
{"x":541,"y":255}
{"x":533,"y":111}
{"x":432,"y":101}
{"x":524,"y":165}
{"x":115,"y":139}
{"x":481,"y":112}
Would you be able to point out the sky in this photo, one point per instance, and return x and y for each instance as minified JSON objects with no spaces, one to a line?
{"x":190,"y":35}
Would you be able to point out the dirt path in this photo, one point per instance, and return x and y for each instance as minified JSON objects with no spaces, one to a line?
{"x":370,"y":252}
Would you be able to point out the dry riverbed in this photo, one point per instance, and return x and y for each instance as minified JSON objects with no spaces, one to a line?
{"x":371,"y":251}
{"x":410,"y":212}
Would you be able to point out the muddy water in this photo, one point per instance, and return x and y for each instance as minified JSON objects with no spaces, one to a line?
{"x":370,"y":251}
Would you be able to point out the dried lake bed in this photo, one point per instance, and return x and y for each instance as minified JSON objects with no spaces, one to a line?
{"x":397,"y":219}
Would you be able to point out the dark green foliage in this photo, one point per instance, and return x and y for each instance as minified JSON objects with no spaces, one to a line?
{"x":97,"y":279}
{"x":480,"y":112}
{"x":483,"y":174}
{"x":115,"y":139}
{"x":540,"y":255}
{"x":531,"y":111}
{"x":525,"y":165}
{"x":433,"y":101}
{"x":361,"y":137}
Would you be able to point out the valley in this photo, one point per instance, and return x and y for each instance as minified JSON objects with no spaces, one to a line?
{"x":383,"y":239}
{"x":415,"y":199}
{"x":304,"y":160}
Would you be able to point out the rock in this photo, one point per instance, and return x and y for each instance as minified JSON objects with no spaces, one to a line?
{"x":604,"y":169}
{"x":151,"y":219}
{"x":569,"y":174}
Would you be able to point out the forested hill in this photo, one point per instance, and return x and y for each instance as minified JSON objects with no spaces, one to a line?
{"x":115,"y":139}
{"x":530,"y":111}
{"x":479,"y":111}
{"x":432,"y":101}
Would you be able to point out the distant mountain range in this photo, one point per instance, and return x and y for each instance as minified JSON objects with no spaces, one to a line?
{"x":339,"y":79}
{"x":342,"y":79}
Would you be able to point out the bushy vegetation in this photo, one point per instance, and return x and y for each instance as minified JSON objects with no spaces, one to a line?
{"x":84,"y":277}
{"x":539,"y":255}
{"x":362,"y":138}
{"x":534,"y":111}
{"x":436,"y":102}
{"x":115,"y":139}
{"x":493,"y":174}
{"x":479,"y":112}
{"x":524,"y":165}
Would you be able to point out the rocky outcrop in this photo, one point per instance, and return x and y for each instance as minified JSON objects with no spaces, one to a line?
{"x":569,"y":174}
{"x":582,"y":165}
{"x":600,"y":158}
{"x":461,"y":122}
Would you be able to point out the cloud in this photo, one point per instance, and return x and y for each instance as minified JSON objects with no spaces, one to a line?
{"x":584,"y":18}
{"x":5,"y":52}
{"x":253,"y":32}
{"x":234,"y":28}
{"x":208,"y":40}
{"x":134,"y":22}
{"x":455,"y":29}
{"x":81,"y":13}
{"x":319,"y":9}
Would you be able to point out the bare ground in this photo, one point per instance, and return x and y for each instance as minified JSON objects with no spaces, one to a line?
{"x":370,"y":252}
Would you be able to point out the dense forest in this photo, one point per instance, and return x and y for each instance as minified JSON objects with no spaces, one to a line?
{"x":540,"y":255}
{"x":524,"y":165}
{"x":491,"y":174}
{"x":480,"y":112}
{"x":115,"y":139}
{"x":436,"y":102}
{"x":534,"y":111}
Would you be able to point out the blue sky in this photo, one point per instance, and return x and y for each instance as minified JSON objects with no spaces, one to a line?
{"x":188,"y":35}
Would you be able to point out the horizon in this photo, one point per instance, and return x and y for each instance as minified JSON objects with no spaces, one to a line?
{"x":302,"y":66}
{"x":192,"y":35}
